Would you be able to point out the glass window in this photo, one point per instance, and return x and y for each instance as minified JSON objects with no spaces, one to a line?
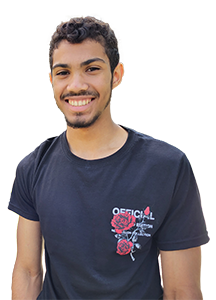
{"x":12,"y":20}
{"x":23,"y":20}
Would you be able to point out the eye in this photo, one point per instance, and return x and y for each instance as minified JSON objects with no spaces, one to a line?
{"x":62,"y":73}
{"x":93,"y":69}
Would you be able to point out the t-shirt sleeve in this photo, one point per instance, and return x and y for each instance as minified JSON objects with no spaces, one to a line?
{"x":21,"y":201}
{"x":183,"y":226}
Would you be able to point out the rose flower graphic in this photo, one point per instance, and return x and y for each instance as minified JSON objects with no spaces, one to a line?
{"x":127,"y":231}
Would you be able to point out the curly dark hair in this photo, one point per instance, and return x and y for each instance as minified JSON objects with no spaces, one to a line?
{"x":76,"y":30}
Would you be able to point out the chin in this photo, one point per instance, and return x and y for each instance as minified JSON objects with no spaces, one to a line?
{"x":82,"y":124}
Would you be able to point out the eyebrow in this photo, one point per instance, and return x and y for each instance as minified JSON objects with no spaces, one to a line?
{"x":60,"y":66}
{"x":89,"y":61}
{"x":85,"y":63}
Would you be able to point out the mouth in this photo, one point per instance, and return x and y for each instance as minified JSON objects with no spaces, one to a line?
{"x":80,"y":102}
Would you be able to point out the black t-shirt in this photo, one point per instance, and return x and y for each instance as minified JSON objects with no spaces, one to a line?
{"x":104,"y":221}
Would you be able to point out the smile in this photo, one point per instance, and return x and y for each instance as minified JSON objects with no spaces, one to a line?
{"x":79,"y":102}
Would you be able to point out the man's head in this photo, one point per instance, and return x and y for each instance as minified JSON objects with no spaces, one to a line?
{"x":85,"y":67}
{"x":77,"y":30}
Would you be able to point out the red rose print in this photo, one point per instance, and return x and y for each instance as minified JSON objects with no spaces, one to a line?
{"x":147,"y":211}
{"x":124,"y":247}
{"x":123,"y":221}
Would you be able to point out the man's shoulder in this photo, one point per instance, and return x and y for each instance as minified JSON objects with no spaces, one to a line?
{"x":33,"y":159}
{"x":155,"y":148}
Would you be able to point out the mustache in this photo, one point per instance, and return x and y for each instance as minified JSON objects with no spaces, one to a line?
{"x":81,"y":93}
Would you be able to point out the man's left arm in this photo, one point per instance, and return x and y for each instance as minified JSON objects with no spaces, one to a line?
{"x":181,"y":274}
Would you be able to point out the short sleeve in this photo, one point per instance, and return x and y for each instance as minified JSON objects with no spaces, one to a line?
{"x":184,"y":225}
{"x":21,"y":201}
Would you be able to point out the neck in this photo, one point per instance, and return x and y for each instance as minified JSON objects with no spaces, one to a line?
{"x":96,"y":142}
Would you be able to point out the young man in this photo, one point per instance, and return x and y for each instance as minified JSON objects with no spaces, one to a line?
{"x":105,"y":199}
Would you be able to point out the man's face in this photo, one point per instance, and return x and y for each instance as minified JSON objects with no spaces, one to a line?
{"x":81,"y":80}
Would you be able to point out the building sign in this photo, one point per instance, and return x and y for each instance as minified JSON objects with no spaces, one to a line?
{"x":18,"y":101}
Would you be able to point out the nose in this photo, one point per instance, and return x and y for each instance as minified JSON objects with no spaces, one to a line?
{"x":77,"y":83}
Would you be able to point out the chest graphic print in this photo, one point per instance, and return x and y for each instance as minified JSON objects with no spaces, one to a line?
{"x":129,"y":225}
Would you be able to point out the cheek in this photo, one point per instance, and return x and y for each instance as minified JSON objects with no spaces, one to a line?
{"x":104,"y":86}
{"x":57,"y":91}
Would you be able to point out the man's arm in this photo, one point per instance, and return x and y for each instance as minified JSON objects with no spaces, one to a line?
{"x":181,"y":274}
{"x":28,"y":273}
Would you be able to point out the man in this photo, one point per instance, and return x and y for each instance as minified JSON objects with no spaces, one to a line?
{"x":105,"y":199}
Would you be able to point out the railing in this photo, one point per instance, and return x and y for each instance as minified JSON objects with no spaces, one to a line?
{"x":203,"y":130}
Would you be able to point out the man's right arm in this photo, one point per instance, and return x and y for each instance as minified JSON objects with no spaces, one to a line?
{"x":28,"y":273}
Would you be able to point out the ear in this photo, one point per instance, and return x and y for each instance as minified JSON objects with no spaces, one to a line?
{"x":117,"y":75}
{"x":50,"y":77}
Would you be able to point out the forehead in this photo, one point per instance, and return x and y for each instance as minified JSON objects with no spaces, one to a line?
{"x":68,"y":53}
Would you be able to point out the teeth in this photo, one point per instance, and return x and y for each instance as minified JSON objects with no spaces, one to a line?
{"x":79,"y":103}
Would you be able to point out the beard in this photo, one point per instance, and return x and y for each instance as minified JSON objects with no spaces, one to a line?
{"x":82,"y":124}
{"x":85,"y":124}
